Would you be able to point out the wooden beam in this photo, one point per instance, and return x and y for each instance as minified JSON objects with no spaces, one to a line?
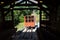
{"x":26,"y":5}
{"x":23,"y":8}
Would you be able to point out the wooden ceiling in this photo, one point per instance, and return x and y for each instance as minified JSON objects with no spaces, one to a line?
{"x":47,"y":2}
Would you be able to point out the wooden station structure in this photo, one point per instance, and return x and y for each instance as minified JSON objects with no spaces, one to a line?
{"x":47,"y":32}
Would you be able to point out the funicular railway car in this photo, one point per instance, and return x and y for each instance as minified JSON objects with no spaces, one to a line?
{"x":29,"y":21}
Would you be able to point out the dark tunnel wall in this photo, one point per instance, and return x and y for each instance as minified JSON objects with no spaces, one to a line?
{"x":58,"y":22}
{"x":53,"y":30}
{"x":49,"y":32}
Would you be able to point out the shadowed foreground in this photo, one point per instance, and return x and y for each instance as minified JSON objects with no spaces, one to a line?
{"x":26,"y":34}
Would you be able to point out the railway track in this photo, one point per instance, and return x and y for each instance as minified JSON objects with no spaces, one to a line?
{"x":26,"y":34}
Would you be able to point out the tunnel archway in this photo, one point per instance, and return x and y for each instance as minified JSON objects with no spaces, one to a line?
{"x":11,"y":19}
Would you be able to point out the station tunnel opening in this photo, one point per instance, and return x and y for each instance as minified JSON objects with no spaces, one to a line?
{"x":19,"y":18}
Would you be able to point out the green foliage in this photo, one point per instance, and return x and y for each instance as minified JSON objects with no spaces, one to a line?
{"x":26,"y":12}
{"x":19,"y":26}
{"x":37,"y":11}
{"x":21,"y":18}
{"x":43,"y":17}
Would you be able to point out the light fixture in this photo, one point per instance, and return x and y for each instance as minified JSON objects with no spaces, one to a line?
{"x":2,"y":2}
{"x":41,"y":1}
{"x":11,"y":8}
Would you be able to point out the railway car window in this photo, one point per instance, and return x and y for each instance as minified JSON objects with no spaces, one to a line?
{"x":29,"y":17}
{"x":32,"y":20}
{"x":32,"y":16}
{"x":26,"y":20}
{"x":29,"y":20}
{"x":26,"y":17}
